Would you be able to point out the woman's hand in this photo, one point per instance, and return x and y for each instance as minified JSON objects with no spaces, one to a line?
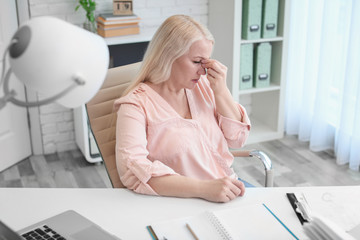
{"x":223,"y":189}
{"x":216,"y":74}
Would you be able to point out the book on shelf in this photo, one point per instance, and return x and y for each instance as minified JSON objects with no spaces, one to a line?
{"x":118,"y":31}
{"x":111,"y":22}
{"x":253,"y":221}
{"x":114,"y":26}
{"x":103,"y":19}
{"x":110,"y":16}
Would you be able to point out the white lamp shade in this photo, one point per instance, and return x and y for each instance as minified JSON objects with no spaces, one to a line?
{"x":56,"y":53}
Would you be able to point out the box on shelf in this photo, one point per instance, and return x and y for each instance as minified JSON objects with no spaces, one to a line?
{"x":246,"y":66}
{"x":262,"y":65}
{"x":121,"y":7}
{"x":251,"y":22}
{"x":259,"y":19}
{"x":269,"y":18}
{"x":110,"y":25}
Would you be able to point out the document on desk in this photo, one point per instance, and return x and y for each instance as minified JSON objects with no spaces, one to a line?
{"x":255,"y":221}
{"x":342,"y":208}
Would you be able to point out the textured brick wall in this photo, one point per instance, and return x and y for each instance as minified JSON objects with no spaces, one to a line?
{"x":57,"y":124}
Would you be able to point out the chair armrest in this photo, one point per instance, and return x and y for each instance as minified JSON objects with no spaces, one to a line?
{"x":264,"y":158}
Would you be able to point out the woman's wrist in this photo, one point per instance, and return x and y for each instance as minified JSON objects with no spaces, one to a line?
{"x":226,"y":106}
{"x":178,"y":186}
{"x":220,"y":91}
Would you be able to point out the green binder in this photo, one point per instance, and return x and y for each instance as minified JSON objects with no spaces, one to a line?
{"x":246,"y":66}
{"x":251,"y":19}
{"x":262,"y":68}
{"x":269,"y":18}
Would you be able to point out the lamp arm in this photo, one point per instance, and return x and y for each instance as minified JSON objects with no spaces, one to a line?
{"x":13,"y":41}
{"x":9,"y":95}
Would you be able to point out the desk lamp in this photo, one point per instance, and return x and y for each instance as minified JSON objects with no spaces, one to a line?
{"x":62,"y":62}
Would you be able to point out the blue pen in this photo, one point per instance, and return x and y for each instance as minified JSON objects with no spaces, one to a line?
{"x":281,"y":222}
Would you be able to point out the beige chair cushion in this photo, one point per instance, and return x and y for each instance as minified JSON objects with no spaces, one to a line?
{"x":102,"y":118}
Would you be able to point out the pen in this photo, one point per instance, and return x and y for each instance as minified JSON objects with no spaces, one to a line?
{"x":192,"y":232}
{"x":281,"y":222}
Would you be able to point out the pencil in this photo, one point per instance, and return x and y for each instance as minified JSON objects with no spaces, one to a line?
{"x":192,"y":232}
{"x":152,"y":233}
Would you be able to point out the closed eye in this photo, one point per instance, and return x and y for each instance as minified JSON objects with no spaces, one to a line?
{"x":197,"y":62}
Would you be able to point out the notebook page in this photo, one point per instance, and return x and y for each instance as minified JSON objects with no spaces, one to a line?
{"x":203,"y":225}
{"x":208,"y":226}
{"x":341,"y":207}
{"x":172,"y":229}
{"x":253,"y":222}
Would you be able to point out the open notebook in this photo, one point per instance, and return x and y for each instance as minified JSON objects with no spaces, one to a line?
{"x":253,"y":221}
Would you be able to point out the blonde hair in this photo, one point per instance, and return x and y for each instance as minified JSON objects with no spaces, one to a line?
{"x":172,"y":40}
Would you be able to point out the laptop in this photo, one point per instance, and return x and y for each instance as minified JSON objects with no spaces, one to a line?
{"x":68,"y":225}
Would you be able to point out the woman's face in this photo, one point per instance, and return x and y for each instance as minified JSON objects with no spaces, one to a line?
{"x":186,"y":70}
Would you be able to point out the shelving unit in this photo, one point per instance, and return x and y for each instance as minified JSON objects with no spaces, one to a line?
{"x":265,"y":106}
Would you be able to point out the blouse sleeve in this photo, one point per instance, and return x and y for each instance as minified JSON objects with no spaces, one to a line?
{"x":235,"y":132}
{"x":134,"y":168}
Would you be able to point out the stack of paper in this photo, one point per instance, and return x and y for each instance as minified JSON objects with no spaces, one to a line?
{"x":321,"y":228}
{"x":331,"y":216}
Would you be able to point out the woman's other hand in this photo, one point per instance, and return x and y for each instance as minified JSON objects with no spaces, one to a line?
{"x":216,"y":74}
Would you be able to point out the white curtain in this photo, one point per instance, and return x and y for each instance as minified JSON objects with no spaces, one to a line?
{"x":323,"y":77}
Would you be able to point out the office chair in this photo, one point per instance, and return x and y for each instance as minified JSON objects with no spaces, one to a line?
{"x":102,"y":121}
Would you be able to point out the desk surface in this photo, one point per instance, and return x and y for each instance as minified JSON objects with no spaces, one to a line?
{"x":126,"y":214}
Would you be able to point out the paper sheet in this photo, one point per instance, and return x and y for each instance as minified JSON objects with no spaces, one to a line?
{"x":252,"y":221}
{"x":341,"y":208}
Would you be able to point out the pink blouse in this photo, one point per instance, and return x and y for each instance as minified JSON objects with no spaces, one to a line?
{"x":153,"y":140}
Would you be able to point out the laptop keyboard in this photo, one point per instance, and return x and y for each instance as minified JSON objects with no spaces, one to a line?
{"x":43,"y":232}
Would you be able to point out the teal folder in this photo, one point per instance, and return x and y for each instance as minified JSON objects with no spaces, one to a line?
{"x":262,"y":66}
{"x":269,"y":18}
{"x":246,"y":66}
{"x":251,"y":19}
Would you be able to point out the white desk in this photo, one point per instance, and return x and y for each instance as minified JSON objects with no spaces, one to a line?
{"x":126,"y":214}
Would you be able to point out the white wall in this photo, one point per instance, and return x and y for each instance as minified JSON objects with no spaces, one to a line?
{"x":56,"y":122}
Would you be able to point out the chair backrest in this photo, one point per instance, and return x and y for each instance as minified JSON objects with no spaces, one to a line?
{"x":102,"y":118}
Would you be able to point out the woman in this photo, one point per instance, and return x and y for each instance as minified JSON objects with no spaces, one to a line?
{"x":177,"y":119}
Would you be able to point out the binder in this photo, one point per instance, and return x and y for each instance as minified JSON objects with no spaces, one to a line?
{"x":262,"y":68}
{"x":251,"y":19}
{"x":269,"y":18}
{"x":246,"y":66}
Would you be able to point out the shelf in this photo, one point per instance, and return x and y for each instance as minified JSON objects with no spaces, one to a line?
{"x":277,"y":39}
{"x":145,"y":35}
{"x":261,"y":132}
{"x":272,"y":87}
